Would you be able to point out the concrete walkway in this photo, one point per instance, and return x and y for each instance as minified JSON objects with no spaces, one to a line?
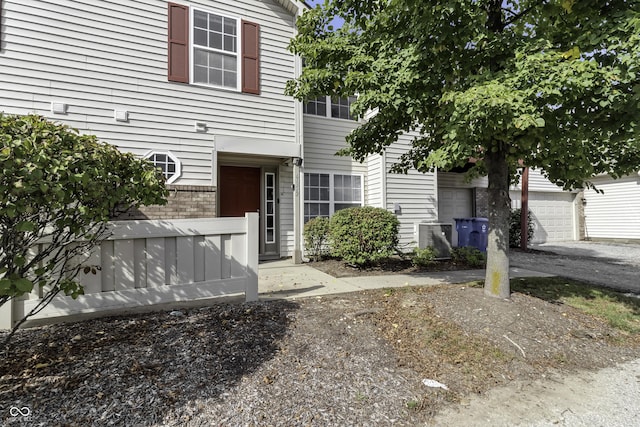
{"x":283,"y":279}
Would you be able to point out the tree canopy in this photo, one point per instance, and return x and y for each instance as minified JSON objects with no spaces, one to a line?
{"x":552,"y":84}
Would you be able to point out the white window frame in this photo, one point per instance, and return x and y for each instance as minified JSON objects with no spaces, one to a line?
{"x":238,"y":53}
{"x":332,"y":202}
{"x":266,"y":210}
{"x":173,"y":157}
{"x":328,"y":105}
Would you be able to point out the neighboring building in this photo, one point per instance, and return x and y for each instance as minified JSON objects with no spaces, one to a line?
{"x":555,"y":212}
{"x":615,"y":213}
{"x":198,"y":87}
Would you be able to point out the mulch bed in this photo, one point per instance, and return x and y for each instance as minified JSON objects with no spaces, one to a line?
{"x":355,"y":359}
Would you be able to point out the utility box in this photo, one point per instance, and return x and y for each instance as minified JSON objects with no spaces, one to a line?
{"x":473,"y":232}
{"x":436,"y":235}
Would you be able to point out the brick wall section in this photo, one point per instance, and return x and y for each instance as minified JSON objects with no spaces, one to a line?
{"x":183,"y":201}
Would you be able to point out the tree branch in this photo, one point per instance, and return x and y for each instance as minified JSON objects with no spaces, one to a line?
{"x":516,"y":16}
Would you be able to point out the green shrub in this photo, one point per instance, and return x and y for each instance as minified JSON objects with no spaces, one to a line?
{"x":363,"y":235}
{"x":423,"y":257}
{"x":316,"y":234}
{"x":473,"y":257}
{"x":514,"y":228}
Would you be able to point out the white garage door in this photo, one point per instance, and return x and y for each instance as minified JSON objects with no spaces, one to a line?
{"x":454,"y":203}
{"x":613,"y":214}
{"x":553,"y":215}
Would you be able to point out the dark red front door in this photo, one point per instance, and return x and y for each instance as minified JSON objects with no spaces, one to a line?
{"x":239,"y":190}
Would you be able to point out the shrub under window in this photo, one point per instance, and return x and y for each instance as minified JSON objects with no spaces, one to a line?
{"x":363,"y":235}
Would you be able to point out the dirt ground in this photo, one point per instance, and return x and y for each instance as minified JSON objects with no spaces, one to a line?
{"x":353,"y":359}
{"x":395,"y":265}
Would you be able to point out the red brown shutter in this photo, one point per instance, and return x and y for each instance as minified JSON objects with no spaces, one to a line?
{"x":178,"y":47}
{"x":250,"y":57}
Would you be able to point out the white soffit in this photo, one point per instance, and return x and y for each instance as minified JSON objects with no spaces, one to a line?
{"x":256,"y":146}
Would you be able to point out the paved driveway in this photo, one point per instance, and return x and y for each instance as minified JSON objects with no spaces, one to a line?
{"x":615,"y":265}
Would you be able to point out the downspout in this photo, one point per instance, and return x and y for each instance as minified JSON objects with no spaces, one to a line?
{"x":297,"y":169}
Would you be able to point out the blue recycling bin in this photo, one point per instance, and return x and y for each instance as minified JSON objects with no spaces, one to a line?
{"x":473,"y":232}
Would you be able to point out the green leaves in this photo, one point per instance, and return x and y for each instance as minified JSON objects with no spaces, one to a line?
{"x":554,"y":81}
{"x":363,"y":235}
{"x":23,"y":285}
{"x":14,"y":286}
{"x":60,"y":186}
{"x":25,"y":226}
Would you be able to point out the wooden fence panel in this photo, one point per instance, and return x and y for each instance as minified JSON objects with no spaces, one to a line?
{"x":144,"y":263}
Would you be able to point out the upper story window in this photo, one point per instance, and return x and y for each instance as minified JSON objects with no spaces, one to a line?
{"x":168,"y":164}
{"x":316,"y":106}
{"x":340,"y":108}
{"x":215,"y":50}
{"x":208,"y":48}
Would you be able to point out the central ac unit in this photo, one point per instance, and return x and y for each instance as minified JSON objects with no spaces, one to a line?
{"x":436,"y":235}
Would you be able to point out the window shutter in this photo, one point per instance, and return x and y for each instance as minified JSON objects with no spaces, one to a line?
{"x":250,"y":57}
{"x":178,"y":43}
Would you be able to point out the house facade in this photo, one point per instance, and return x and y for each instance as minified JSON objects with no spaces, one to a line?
{"x":197,"y":87}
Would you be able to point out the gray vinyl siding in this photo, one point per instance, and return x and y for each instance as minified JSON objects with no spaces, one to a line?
{"x":613,"y":214}
{"x":538,"y":182}
{"x":415,"y":192}
{"x":101,"y":56}
{"x":323,"y":137}
{"x":457,"y":180}
{"x":375,"y":177}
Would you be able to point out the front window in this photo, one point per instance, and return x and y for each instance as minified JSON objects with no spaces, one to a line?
{"x":347,"y":191}
{"x":215,"y":50}
{"x":326,"y":193}
{"x":166,"y":163}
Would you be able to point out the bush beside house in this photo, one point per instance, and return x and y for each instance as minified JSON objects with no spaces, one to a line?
{"x":61,"y":187}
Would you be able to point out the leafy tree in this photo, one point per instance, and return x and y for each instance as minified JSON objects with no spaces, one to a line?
{"x":58,"y":190}
{"x":553,"y":83}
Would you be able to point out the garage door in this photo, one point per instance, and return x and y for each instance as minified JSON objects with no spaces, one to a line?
{"x":553,"y":215}
{"x":613,"y":214}
{"x":454,"y":203}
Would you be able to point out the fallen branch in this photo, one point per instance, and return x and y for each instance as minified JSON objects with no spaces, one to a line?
{"x":368,"y":311}
{"x":519,"y":348}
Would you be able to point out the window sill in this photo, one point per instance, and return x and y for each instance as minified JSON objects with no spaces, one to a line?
{"x":332,"y":118}
{"x":224,"y":88}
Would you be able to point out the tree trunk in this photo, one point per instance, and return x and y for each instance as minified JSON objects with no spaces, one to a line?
{"x":497,"y":276}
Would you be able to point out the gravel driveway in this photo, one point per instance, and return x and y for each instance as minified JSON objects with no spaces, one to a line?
{"x":615,"y":265}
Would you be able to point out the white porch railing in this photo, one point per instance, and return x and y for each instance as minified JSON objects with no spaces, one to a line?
{"x":145,"y":263}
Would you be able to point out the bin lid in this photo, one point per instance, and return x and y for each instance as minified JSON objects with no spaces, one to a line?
{"x":480,"y":219}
